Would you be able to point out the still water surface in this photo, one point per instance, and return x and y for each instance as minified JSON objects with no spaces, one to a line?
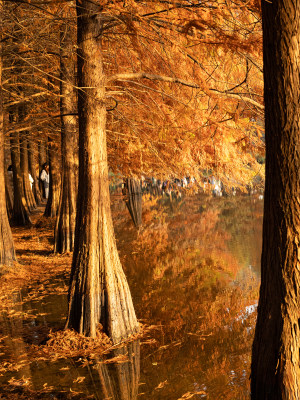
{"x":193,"y":270}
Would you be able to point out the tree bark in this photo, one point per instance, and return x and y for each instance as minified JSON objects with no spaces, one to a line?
{"x":65,"y":223}
{"x":28,"y":193}
{"x":42,"y":159}
{"x":20,"y":213}
{"x":7,"y":250}
{"x":98,"y":291}
{"x":52,"y":205}
{"x":34,"y":171}
{"x":275,"y":360}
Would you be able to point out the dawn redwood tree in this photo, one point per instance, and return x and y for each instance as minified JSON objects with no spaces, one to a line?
{"x":98,"y":291}
{"x":51,"y":209}
{"x":24,"y":165}
{"x":7,"y":250}
{"x":20,"y":213}
{"x":275,"y":371}
{"x":32,"y":165}
{"x":65,"y":223}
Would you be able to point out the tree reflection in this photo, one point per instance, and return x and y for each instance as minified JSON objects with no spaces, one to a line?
{"x":119,"y":380}
{"x":190,"y":281}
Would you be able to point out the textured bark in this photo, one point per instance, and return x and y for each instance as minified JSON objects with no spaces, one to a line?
{"x":98,"y":291}
{"x":52,"y":205}
{"x":42,"y":159}
{"x":28,"y":193}
{"x":275,"y":360}
{"x":20,"y":213}
{"x":32,"y":164}
{"x":65,"y":223}
{"x":8,"y":199}
{"x":7,"y":251}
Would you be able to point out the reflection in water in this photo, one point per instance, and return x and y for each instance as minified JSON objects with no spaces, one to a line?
{"x":119,"y":380}
{"x":132,"y":192}
{"x":193,"y":272}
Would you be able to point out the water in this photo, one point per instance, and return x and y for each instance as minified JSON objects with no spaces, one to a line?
{"x":193,"y":270}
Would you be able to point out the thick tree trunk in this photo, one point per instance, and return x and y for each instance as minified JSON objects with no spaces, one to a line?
{"x":65,"y":223}
{"x":34,"y":171}
{"x":275,"y":361}
{"x":28,"y":193}
{"x":52,"y":205}
{"x":98,"y":292}
{"x":20,"y":213}
{"x":7,"y":251}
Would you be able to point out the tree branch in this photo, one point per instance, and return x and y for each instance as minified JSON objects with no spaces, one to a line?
{"x":145,"y":75}
{"x":162,"y":78}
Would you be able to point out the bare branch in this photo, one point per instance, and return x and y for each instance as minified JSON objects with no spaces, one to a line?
{"x":145,"y":75}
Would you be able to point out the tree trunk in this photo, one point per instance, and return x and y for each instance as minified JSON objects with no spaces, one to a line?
{"x":98,"y":291}
{"x":8,"y":199}
{"x":20,"y":212}
{"x":42,"y":152}
{"x":52,"y":205}
{"x":28,"y":193}
{"x":275,"y":359}
{"x":65,"y":223}
{"x":34,"y":171}
{"x":7,"y":251}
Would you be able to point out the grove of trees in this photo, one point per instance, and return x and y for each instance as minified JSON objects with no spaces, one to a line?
{"x":164,"y":89}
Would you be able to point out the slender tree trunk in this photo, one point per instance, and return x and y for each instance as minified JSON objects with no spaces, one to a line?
{"x":275,"y":359}
{"x":28,"y":193}
{"x":7,"y":251}
{"x":52,"y":205}
{"x":34,"y":171}
{"x":20,"y":213}
{"x":65,"y":223}
{"x":98,"y":292}
{"x":42,"y":152}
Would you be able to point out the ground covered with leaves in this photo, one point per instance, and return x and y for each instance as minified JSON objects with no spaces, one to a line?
{"x":33,"y":312}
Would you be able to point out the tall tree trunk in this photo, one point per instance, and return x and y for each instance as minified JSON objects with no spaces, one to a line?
{"x":65,"y":223}
{"x":98,"y":291}
{"x":275,"y":359}
{"x":28,"y":193}
{"x":20,"y":212}
{"x":7,"y":251}
{"x":8,"y":198}
{"x":42,"y":159}
{"x":34,"y":171}
{"x":52,"y":205}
